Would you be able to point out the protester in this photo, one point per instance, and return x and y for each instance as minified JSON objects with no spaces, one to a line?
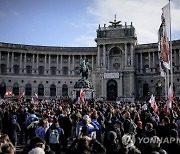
{"x":113,"y":127}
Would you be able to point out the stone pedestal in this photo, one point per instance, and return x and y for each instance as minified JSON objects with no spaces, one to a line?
{"x":87,"y":87}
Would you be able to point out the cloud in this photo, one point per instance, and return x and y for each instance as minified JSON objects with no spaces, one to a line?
{"x":84,"y":40}
{"x":145,"y":15}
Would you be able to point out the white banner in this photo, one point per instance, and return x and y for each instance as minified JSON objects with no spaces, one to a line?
{"x":111,"y":75}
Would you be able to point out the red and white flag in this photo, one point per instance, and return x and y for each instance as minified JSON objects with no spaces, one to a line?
{"x":8,"y":93}
{"x":36,"y":95}
{"x":169,"y":101}
{"x":82,"y":96}
{"x":32,"y":101}
{"x":153,"y":103}
{"x":163,"y":44}
{"x":21,"y":95}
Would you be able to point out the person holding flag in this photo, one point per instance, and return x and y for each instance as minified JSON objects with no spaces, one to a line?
{"x":168,"y":105}
{"x":36,"y":95}
{"x":21,"y":95}
{"x":9,"y":93}
{"x":153,"y":103}
{"x":82,"y":96}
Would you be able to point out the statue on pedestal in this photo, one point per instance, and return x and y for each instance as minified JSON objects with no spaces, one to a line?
{"x":84,"y":69}
{"x":83,"y":82}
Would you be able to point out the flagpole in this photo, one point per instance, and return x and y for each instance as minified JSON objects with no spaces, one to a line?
{"x":171,"y":70}
{"x":165,"y":85}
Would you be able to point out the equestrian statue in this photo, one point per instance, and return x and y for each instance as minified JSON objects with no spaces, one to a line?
{"x":84,"y":70}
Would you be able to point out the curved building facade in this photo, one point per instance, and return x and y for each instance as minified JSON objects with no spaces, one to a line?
{"x":119,"y":67}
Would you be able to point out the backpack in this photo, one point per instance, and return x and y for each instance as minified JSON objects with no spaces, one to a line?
{"x":40,"y":132}
{"x":54,"y":136}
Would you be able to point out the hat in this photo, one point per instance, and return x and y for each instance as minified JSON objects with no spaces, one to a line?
{"x":127,"y":141}
{"x":86,"y":117}
{"x":36,"y":151}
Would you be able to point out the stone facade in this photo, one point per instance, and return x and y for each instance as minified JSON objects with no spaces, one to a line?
{"x":119,"y":67}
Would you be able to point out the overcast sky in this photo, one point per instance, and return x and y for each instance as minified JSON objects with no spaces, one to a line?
{"x":74,"y":22}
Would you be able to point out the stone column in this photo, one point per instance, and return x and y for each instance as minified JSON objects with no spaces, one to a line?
{"x":92,"y":63}
{"x":49,"y":69}
{"x":149,"y":57}
{"x":12,"y":62}
{"x":20,"y":63}
{"x":121,"y":85}
{"x":33,"y":64}
{"x":73,"y":65}
{"x":104,"y":56}
{"x":98,"y":56}
{"x":57,"y":65}
{"x":25,"y":63}
{"x":141,"y":63}
{"x":61,"y":64}
{"x":125,"y":48}
{"x":102,"y":86}
{"x":80,"y":58}
{"x":137,"y":61}
{"x":153,"y":61}
{"x":45,"y":63}
{"x":175,"y":58}
{"x":69,"y":65}
{"x":132,"y":55}
{"x":108,"y":62}
{"x":8,"y":63}
{"x":37,"y":63}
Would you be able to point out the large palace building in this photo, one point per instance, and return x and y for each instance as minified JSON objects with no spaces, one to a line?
{"x":119,"y":67}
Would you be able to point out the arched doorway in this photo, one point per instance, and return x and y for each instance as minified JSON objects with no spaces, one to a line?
{"x":64,"y":90}
{"x":40,"y":90}
{"x":2,"y":89}
{"x":145,"y":89}
{"x":53,"y":90}
{"x":111,"y":90}
{"x":28,"y":90}
{"x":16,"y":89}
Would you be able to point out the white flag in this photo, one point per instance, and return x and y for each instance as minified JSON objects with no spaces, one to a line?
{"x":166,"y":15}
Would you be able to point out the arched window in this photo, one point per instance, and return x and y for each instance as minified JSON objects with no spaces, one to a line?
{"x":116,"y":60}
{"x":111,"y":89}
{"x":41,"y":70}
{"x":28,"y":69}
{"x":3,"y":69}
{"x":53,"y":90}
{"x":64,"y":90}
{"x":77,"y":71}
{"x":16,"y":89}
{"x":53,"y":70}
{"x":40,"y":90}
{"x":2,"y":89}
{"x":28,"y":90}
{"x":65,"y":70}
{"x":16,"y":69}
{"x":145,"y":89}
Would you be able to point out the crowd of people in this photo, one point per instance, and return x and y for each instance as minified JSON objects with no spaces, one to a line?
{"x":54,"y":127}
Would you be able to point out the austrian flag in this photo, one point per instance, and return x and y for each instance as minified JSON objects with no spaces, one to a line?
{"x":170,"y":98}
{"x":21,"y":95}
{"x":82,"y":96}
{"x":153,"y":103}
{"x":9,"y":93}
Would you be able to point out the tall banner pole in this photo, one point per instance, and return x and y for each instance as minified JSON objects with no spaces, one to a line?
{"x":165,"y":85}
{"x":171,"y":70}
